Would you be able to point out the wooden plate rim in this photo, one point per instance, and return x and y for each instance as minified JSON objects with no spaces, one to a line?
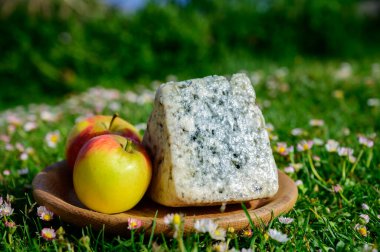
{"x":265,"y":211}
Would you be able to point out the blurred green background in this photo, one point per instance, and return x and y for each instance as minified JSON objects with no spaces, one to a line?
{"x":50,"y":49}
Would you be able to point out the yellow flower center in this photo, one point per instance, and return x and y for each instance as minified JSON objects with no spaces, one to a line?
{"x":305,"y":146}
{"x":363,"y":231}
{"x":266,"y":236}
{"x":133,"y":224}
{"x":281,"y":149}
{"x":218,"y":248}
{"x":48,"y":235}
{"x":339,"y":94}
{"x":46,"y":217}
{"x":176,"y":219}
{"x":247,"y":233}
{"x":54,"y":138}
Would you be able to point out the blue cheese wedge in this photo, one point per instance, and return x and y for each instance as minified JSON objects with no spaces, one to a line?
{"x":208,"y":143}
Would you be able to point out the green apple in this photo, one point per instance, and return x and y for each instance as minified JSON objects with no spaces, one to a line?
{"x":111,"y":174}
{"x":96,"y":126}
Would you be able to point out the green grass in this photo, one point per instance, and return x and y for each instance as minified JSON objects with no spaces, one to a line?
{"x":345,"y":97}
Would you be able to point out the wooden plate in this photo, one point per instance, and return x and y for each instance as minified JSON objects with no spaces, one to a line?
{"x":53,"y":188}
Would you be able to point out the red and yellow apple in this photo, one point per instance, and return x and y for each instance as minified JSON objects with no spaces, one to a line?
{"x":111,"y":174}
{"x":96,"y":126}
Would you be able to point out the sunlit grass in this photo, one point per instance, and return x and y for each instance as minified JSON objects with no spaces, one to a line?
{"x":321,"y":119}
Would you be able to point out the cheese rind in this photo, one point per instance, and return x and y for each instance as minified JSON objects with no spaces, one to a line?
{"x":208,"y":143}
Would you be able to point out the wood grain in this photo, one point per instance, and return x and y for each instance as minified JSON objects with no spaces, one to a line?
{"x":53,"y":188}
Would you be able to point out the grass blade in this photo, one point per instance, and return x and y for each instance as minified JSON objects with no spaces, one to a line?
{"x":248,"y":216}
{"x":152,"y":232}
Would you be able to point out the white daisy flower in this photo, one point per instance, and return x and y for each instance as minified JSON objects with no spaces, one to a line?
{"x":332,"y":145}
{"x":365,"y":217}
{"x":205,"y":225}
{"x":48,"y":234}
{"x":345,"y":151}
{"x":316,"y":122}
{"x":285,"y":220}
{"x":278,"y":236}
{"x":52,"y":138}
{"x":365,"y":206}
{"x":44,"y":213}
{"x":6,"y":209}
{"x":218,"y":234}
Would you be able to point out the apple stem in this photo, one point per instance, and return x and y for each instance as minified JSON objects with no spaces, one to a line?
{"x":113,"y":119}
{"x":129,"y":146}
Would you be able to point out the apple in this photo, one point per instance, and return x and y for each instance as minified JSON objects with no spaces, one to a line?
{"x":95,"y":126}
{"x":111,"y":174}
